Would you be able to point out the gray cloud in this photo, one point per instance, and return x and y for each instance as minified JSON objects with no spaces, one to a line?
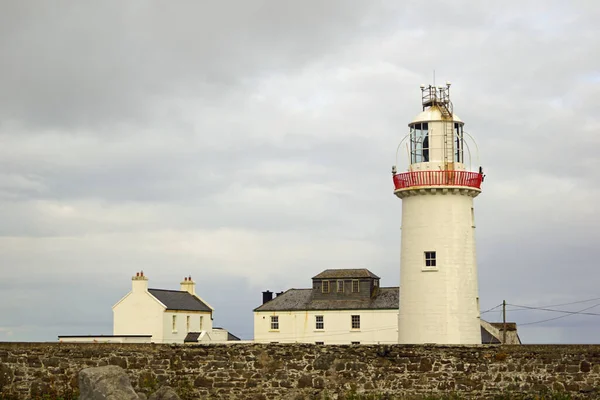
{"x":251,"y":143}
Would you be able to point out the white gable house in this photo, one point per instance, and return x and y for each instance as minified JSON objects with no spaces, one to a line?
{"x":167,"y":315}
{"x":146,"y":315}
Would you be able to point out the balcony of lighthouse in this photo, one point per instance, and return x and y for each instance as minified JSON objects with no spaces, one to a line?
{"x":443,"y":181}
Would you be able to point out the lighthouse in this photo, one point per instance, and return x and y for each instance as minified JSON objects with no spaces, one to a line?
{"x":439,"y":300}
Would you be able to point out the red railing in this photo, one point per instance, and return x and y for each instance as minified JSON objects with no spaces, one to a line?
{"x":438,"y":178}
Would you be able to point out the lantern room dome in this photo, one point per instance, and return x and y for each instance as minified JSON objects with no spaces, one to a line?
{"x":432,"y":114}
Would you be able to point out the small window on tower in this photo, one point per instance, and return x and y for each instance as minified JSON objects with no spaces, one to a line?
{"x":430,"y":260}
{"x":355,"y":286}
{"x":340,"y":286}
{"x":325,"y":287}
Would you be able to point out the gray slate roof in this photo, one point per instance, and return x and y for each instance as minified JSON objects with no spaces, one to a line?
{"x":192,"y":337}
{"x":179,"y":300}
{"x":345,"y":273}
{"x":301,"y":300}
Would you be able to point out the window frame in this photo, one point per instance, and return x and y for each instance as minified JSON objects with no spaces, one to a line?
{"x":339,"y":284}
{"x":274,"y":321}
{"x":174,"y":323}
{"x":325,"y":287}
{"x":357,"y":283}
{"x":355,"y":322}
{"x":187,"y":323}
{"x":321,"y":322}
{"x":430,"y":259}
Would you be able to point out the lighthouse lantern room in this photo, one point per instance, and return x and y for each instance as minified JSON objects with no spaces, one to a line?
{"x":439,"y":301}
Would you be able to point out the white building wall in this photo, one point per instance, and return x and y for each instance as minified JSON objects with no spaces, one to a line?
{"x":139,"y":313}
{"x":376,"y":326}
{"x":105,"y":339}
{"x":438,"y":305}
{"x":178,"y":334}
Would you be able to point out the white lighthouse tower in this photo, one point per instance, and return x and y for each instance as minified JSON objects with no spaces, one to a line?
{"x":439,"y":301}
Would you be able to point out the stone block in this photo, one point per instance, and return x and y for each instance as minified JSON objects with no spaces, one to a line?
{"x":105,"y":383}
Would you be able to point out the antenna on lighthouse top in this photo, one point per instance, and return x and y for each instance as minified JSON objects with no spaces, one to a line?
{"x":434,"y":78}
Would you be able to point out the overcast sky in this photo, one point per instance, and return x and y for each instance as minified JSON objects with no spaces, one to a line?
{"x":249,"y":144}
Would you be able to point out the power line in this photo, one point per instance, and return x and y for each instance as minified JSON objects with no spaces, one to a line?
{"x":563,"y":316}
{"x":549,"y":309}
{"x":554,"y":305}
{"x":493,"y":308}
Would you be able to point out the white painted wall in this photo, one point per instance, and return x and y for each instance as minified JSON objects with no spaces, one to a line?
{"x":139,"y":313}
{"x":376,"y":326}
{"x":213,"y":336}
{"x":104,"y":339}
{"x":181,"y":329}
{"x":438,"y":305}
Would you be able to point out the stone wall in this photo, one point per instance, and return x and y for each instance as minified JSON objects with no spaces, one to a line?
{"x":261,"y":371}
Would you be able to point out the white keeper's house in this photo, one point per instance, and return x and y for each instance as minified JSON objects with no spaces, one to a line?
{"x":146,"y":315}
{"x":344,"y":306}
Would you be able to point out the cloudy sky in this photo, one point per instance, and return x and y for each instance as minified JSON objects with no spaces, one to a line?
{"x":249,"y":144}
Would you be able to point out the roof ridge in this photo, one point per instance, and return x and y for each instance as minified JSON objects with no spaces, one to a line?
{"x":170,"y":290}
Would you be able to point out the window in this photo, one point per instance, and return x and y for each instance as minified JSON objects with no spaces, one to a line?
{"x":201,"y":322}
{"x":319,"y":323}
{"x":174,"y":323}
{"x":458,"y":139}
{"x":419,"y":143}
{"x":355,"y":287}
{"x":319,"y":342}
{"x":187,"y":323}
{"x":325,"y":287}
{"x":354,"y":343}
{"x":356,"y":322}
{"x":274,"y":322}
{"x":430,"y":260}
{"x":340,"y":286}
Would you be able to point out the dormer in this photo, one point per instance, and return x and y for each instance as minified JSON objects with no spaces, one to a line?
{"x":345,"y":284}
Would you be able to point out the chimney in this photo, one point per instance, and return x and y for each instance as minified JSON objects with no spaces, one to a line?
{"x":267,"y":296}
{"x":188,"y":285}
{"x":139,"y":283}
{"x":279,"y":293}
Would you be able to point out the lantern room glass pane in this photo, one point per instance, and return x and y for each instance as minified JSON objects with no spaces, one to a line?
{"x":458,"y":143}
{"x":419,"y":142}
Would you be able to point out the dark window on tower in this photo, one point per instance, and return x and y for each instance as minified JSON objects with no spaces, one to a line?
{"x":355,"y":286}
{"x":430,"y":260}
